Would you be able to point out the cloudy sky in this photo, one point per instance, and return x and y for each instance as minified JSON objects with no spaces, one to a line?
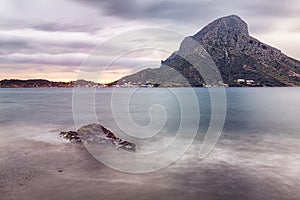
{"x":51,"y":39}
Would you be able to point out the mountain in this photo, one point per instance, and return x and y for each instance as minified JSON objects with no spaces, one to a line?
{"x":241,"y":59}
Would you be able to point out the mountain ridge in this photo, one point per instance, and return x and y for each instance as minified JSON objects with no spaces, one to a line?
{"x":237,"y":54}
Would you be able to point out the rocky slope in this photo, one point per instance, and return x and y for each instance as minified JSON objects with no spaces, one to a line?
{"x":236,"y":54}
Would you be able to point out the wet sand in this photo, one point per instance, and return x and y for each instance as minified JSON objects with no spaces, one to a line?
{"x":32,"y":170}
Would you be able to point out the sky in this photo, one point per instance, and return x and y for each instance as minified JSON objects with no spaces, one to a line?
{"x":54,"y":39}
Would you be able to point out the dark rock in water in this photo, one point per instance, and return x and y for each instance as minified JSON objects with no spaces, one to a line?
{"x":97,"y":134}
{"x":71,"y":136}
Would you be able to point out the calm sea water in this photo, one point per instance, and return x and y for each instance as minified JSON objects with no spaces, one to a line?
{"x":260,"y":140}
{"x":249,"y":110}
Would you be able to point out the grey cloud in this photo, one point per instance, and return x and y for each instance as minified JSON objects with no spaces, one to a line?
{"x":272,"y":8}
{"x":13,"y":45}
{"x":29,"y":67}
{"x":36,"y":48}
{"x":51,"y":26}
{"x":60,"y":59}
{"x":94,"y":63}
{"x":8,"y":45}
{"x":137,"y":10}
{"x":31,"y":45}
{"x":194,"y":12}
{"x":177,"y":10}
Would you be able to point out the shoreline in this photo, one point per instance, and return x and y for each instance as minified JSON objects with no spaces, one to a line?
{"x":39,"y":170}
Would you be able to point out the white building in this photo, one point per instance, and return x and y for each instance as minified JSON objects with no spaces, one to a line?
{"x":249,"y":82}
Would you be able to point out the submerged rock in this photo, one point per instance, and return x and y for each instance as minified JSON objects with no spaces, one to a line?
{"x":97,"y":134}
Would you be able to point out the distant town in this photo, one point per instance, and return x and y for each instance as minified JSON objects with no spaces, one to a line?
{"x":42,"y":83}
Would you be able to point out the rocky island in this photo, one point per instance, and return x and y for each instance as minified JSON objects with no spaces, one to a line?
{"x":242,"y":60}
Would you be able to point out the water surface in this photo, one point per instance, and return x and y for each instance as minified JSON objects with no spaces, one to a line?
{"x":257,"y":156}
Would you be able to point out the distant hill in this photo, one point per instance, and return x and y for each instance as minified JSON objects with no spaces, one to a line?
{"x":42,"y":83}
{"x":241,"y":59}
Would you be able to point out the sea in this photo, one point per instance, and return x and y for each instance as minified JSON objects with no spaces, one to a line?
{"x":255,"y":154}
